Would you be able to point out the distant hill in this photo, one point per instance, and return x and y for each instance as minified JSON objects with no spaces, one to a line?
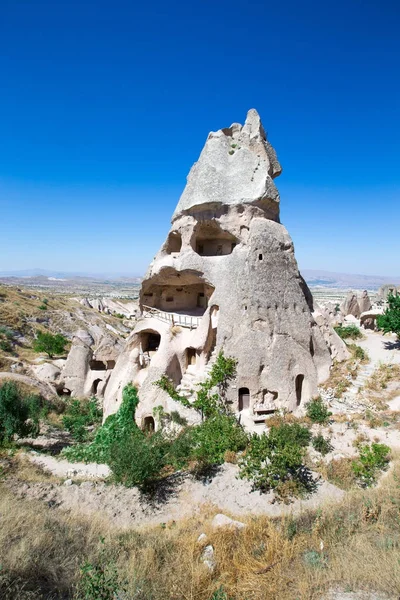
{"x":329,"y":279}
{"x":63,"y":275}
{"x":314,"y":278}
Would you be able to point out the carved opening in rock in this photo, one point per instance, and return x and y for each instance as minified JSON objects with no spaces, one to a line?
{"x":174,"y":243}
{"x":189,"y":297}
{"x":312,"y":352}
{"x":244,"y":398}
{"x":97,"y":365}
{"x":260,"y":257}
{"x":62,"y":391}
{"x":299,"y":388}
{"x":210,"y":240}
{"x":191,"y":357}
{"x":110,"y":364}
{"x":148,"y":424}
{"x":95,"y":386}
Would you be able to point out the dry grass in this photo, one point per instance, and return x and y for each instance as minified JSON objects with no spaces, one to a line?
{"x":354,"y":543}
{"x":384,"y":374}
{"x":343,"y":372}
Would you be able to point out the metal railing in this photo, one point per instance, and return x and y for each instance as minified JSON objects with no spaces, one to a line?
{"x":173,"y":318}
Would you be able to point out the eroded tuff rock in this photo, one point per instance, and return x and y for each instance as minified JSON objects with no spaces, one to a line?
{"x":350,"y":305}
{"x":226,"y":278}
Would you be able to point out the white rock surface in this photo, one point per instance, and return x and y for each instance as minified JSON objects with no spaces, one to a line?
{"x":221,"y":520}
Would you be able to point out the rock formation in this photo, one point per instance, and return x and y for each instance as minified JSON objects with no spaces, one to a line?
{"x":364,"y":302}
{"x":350,"y":305}
{"x":387,"y":290}
{"x":226,"y":278}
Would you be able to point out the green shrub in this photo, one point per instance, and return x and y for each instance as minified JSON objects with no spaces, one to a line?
{"x":321,"y":444}
{"x":43,"y":307}
{"x":275,"y":459}
{"x":348,"y":331}
{"x":137,"y":459}
{"x":99,"y":580}
{"x":207,"y":402}
{"x":317,"y":411}
{"x":6,"y":332}
{"x":373,"y":458}
{"x":390,"y":320}
{"x":19,"y":413}
{"x":358,"y":352}
{"x":215,"y":436}
{"x":5,"y":346}
{"x":49,"y":343}
{"x":115,"y":428}
{"x":80,"y":414}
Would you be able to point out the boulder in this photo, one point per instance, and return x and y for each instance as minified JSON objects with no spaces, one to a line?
{"x":221,"y":520}
{"x":47,"y":372}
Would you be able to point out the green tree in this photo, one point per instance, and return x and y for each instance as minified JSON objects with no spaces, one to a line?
{"x":389,"y":322}
{"x":49,"y":343}
{"x":19,"y":414}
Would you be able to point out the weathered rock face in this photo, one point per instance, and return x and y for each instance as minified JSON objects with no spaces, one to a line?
{"x":364,"y":302}
{"x":350,"y":305}
{"x":226,"y":278}
{"x":387,"y":290}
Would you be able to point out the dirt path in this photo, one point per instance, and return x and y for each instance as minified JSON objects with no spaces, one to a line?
{"x":182,"y":495}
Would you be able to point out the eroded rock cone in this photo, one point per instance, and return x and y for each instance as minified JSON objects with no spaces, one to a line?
{"x":226,"y":278}
{"x":364,"y":302}
{"x":350,"y":305}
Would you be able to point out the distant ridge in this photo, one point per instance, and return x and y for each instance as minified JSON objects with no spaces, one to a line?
{"x":31,"y":273}
{"x":329,"y":279}
{"x":313,"y":277}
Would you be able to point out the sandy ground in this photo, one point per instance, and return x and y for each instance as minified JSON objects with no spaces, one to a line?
{"x":380,"y":348}
{"x":181,"y":496}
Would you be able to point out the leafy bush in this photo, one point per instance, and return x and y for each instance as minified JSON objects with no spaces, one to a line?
{"x":390,"y":320}
{"x":358,"y":352}
{"x":137,"y":459}
{"x":317,"y":411}
{"x":6,"y":337}
{"x":80,"y":414}
{"x":116,"y":427}
{"x":19,"y":413}
{"x":49,"y":343}
{"x":321,"y":444}
{"x":373,"y":458}
{"x":99,"y":580}
{"x":348,"y":331}
{"x":5,"y":346}
{"x":207,"y":402}
{"x":215,"y":436}
{"x":271,"y":460}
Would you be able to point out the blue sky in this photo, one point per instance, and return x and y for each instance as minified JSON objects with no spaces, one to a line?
{"x":104,"y":106}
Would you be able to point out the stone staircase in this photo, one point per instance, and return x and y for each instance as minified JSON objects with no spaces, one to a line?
{"x":192,"y":377}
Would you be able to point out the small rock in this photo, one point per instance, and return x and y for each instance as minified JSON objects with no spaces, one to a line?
{"x":202,"y":538}
{"x":208,"y":558}
{"x":68,"y":482}
{"x":221,"y":520}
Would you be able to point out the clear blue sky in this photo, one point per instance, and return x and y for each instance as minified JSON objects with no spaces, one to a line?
{"x":104,"y":106}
